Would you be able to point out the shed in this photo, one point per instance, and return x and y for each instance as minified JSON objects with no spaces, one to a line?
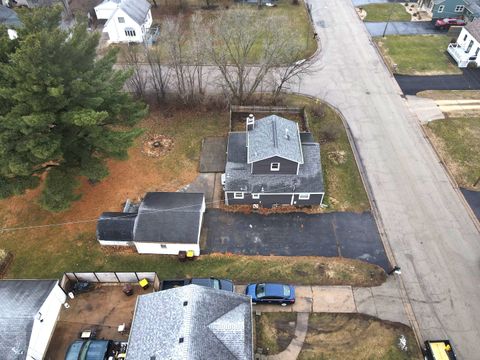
{"x":116,"y":228}
{"x":30,"y":309}
{"x":192,"y":322}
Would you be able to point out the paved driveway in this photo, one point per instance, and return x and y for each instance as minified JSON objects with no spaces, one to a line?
{"x":402,"y":28}
{"x":349,"y":235}
{"x":469,"y":80}
{"x":430,"y":231}
{"x":473,"y":199}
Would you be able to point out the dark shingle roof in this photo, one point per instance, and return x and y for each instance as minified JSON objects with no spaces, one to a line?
{"x":20,"y":301}
{"x":8,"y":17}
{"x":169,"y":218}
{"x":115,"y":226}
{"x":274,"y":136}
{"x":474,"y":28}
{"x":191,"y":322}
{"x":238,"y":176}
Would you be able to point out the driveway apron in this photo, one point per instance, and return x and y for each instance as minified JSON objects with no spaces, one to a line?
{"x":295,"y":234}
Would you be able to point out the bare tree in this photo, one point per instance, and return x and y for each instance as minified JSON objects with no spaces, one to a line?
{"x":159,"y":73}
{"x":240,"y":39}
{"x":284,"y":75}
{"x":137,"y":83}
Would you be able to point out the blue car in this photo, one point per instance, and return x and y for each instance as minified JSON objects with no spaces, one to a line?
{"x":270,"y":293}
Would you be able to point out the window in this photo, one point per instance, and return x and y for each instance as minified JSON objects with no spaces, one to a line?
{"x":238,"y":195}
{"x":459,"y":8}
{"x":255,"y":196}
{"x":163,"y":246}
{"x":440,"y":8}
{"x":465,"y":37}
{"x":121,"y":20}
{"x":130,"y":32}
{"x":303,"y":196}
{"x":469,"y":46}
{"x":275,"y":167}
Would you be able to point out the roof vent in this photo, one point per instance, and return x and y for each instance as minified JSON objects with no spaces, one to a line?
{"x":287,"y":135}
{"x":185,"y":303}
{"x":250,"y":122}
{"x":180,"y":340}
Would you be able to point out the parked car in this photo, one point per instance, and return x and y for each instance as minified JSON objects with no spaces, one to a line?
{"x":270,"y":293}
{"x":219,"y":284}
{"x":447,"y":22}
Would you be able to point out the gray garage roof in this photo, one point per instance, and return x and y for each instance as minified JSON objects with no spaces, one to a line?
{"x":20,"y":301}
{"x":169,"y":217}
{"x":474,"y":28}
{"x":115,"y":226}
{"x":136,"y":9}
{"x":274,"y":136}
{"x":191,"y":322}
{"x":238,"y":176}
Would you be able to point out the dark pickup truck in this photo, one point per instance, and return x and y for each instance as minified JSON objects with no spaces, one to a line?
{"x":220,"y":284}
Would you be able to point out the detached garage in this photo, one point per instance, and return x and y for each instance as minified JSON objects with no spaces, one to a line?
{"x":166,"y":223}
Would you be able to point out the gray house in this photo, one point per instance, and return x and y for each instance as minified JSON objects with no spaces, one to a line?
{"x":192,"y":322}
{"x":465,"y":9}
{"x":273,"y":163}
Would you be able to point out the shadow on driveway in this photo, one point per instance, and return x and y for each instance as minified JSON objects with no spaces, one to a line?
{"x":350,"y":235}
{"x":410,"y":85}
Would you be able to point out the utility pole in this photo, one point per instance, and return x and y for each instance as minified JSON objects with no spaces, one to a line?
{"x":388,"y":20}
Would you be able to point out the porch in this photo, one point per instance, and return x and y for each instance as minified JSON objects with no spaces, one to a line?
{"x":462,"y":58}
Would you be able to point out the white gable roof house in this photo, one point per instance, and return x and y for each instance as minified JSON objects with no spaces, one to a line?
{"x":466,"y":51}
{"x":127,"y":20}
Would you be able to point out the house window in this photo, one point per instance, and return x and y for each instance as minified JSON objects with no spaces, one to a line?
{"x":121,"y":20}
{"x":440,"y":8}
{"x":465,"y":37}
{"x":238,"y":195}
{"x":469,"y":46}
{"x":459,"y":8}
{"x":303,"y":196}
{"x":163,"y":246}
{"x":275,"y":167}
{"x":130,"y":32}
{"x":255,"y":196}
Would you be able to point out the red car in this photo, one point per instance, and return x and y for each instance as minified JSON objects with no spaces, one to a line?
{"x":447,"y":22}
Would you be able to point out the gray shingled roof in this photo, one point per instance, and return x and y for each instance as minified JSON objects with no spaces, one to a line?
{"x":8,"y":17}
{"x":20,"y":301}
{"x":274,"y":136}
{"x":169,"y":218}
{"x":474,"y":28}
{"x":136,"y":9}
{"x":473,"y":6}
{"x":238,"y":176}
{"x":214,"y":324}
{"x":115,"y":226}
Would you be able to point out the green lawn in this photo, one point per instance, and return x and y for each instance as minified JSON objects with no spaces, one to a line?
{"x":382,"y":12}
{"x":418,"y":54}
{"x":458,"y":141}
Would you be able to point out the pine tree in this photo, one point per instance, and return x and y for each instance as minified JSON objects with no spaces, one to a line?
{"x":62,"y":110}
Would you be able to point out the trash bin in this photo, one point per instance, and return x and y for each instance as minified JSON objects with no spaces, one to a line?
{"x":144,"y":284}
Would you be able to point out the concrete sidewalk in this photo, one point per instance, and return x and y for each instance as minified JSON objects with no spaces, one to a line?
{"x":383,"y":302}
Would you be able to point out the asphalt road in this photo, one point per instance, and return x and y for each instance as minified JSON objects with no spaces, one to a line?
{"x":402,"y":28}
{"x":430,"y":231}
{"x":344,"y":234}
{"x":469,"y":80}
{"x":473,"y":199}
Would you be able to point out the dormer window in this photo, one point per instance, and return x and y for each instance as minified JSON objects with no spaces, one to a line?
{"x":275,"y":166}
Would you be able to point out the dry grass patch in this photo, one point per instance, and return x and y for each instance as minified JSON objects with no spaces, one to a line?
{"x":274,"y":331}
{"x":450,"y":94}
{"x":356,"y":337}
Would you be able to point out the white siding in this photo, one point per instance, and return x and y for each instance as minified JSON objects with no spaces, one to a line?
{"x":44,"y":323}
{"x":105,"y":10}
{"x":170,"y":249}
{"x":115,"y":243}
{"x":117,"y":31}
{"x":464,"y":40}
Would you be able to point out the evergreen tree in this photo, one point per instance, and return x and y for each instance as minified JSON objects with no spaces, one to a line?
{"x":62,"y":109}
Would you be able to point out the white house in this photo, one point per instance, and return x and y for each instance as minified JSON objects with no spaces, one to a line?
{"x":30,"y":309}
{"x":166,"y":223}
{"x":466,"y":51}
{"x":126,"y":20}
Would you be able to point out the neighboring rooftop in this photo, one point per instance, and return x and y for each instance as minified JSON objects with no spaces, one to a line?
{"x":191,"y":322}
{"x":8,"y":17}
{"x":169,"y":217}
{"x":238,"y":176}
{"x":20,"y":302}
{"x":274,"y":136}
{"x":136,"y":9}
{"x":474,"y":28}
